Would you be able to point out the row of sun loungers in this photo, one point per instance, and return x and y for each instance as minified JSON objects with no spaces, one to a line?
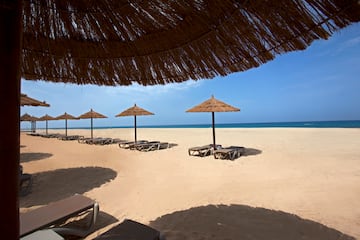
{"x":100,"y":140}
{"x":220,"y":152}
{"x":80,"y":138}
{"x":45,"y":222}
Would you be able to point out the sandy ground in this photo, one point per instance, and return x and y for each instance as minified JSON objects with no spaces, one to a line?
{"x":291,"y":183}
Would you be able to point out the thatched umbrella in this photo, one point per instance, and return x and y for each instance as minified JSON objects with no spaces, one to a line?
{"x":32,"y":119}
{"x":134,"y":111}
{"x":66,"y":116}
{"x":28,"y":101}
{"x":91,"y":114}
{"x":47,"y":118}
{"x":148,"y":42}
{"x":213,"y":105}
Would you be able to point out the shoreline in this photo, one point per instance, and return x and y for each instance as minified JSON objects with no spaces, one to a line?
{"x":313,"y":173}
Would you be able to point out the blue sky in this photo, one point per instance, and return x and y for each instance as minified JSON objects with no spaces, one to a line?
{"x":319,"y":83}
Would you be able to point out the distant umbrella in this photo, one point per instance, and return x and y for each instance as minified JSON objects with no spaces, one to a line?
{"x":66,"y":116}
{"x":134,"y":111}
{"x":213,"y":105}
{"x":32,"y":119}
{"x":46,"y":118}
{"x":27,"y":117}
{"x":91,"y":114}
{"x":28,"y":101}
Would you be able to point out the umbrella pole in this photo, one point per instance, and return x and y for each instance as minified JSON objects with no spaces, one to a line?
{"x":135,"y":128}
{"x":213,"y":128}
{"x":91,"y":128}
{"x":66,"y":127}
{"x":10,"y":48}
{"x":46,"y":127}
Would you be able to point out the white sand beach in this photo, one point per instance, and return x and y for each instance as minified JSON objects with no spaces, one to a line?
{"x":311,"y":173}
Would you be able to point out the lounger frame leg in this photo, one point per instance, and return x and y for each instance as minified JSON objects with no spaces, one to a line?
{"x":80,"y":232}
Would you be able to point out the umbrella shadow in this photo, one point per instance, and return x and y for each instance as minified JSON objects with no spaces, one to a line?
{"x":62,"y":183}
{"x":251,"y":151}
{"x":33,"y":156}
{"x":171,"y":145}
{"x":241,"y":222}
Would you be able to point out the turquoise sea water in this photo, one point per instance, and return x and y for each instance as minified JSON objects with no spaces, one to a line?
{"x":307,"y":124}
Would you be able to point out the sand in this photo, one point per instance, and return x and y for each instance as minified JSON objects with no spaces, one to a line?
{"x":293,"y":183}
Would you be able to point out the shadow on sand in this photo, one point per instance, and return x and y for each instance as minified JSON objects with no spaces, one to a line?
{"x":58,"y":184}
{"x":33,"y":156}
{"x":251,"y":151}
{"x":241,"y":222}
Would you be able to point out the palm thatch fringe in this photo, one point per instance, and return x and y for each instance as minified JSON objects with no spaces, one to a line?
{"x":107,"y":42}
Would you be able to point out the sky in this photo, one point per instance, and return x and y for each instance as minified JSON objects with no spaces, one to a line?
{"x":320,"y":83}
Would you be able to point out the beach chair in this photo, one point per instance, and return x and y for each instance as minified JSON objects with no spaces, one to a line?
{"x":53,"y":135}
{"x":229,"y":153}
{"x":118,"y":140}
{"x":130,"y":230}
{"x":58,"y":212}
{"x":70,"y":137}
{"x":147,"y":146}
{"x":202,"y":151}
{"x":131,"y":144}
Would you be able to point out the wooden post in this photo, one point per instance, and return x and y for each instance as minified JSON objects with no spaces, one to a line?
{"x":10,"y":65}
{"x":135,"y":129}
{"x":213,"y":128}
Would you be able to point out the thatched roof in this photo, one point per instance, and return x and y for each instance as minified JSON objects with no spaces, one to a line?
{"x":213,"y":105}
{"x":108,"y":42}
{"x":28,"y":101}
{"x":66,"y":116}
{"x":134,"y":111}
{"x":27,"y":117}
{"x":47,"y":117}
{"x":91,"y":114}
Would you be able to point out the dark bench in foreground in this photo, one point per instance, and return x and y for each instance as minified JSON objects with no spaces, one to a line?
{"x":57,"y":212}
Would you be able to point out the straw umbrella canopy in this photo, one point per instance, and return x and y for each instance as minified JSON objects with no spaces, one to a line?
{"x":213,"y":105}
{"x":112,"y":42}
{"x":28,"y":117}
{"x":91,"y":114}
{"x":134,"y":111}
{"x":66,"y":116}
{"x":32,"y":119}
{"x":46,"y":118}
{"x":28,"y":101}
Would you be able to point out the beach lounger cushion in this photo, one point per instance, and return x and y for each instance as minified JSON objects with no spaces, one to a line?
{"x":130,"y":230}
{"x":57,"y":212}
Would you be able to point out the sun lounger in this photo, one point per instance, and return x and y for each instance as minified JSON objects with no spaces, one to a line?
{"x":70,"y":137}
{"x":58,"y":212}
{"x":230,"y":153}
{"x":132,"y":144}
{"x":130,"y":230}
{"x":53,"y":135}
{"x":202,"y":151}
{"x":147,"y":146}
{"x":89,"y":140}
{"x":151,"y":146}
{"x":118,"y":140}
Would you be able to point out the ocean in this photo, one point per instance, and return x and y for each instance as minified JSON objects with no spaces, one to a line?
{"x":307,"y":124}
